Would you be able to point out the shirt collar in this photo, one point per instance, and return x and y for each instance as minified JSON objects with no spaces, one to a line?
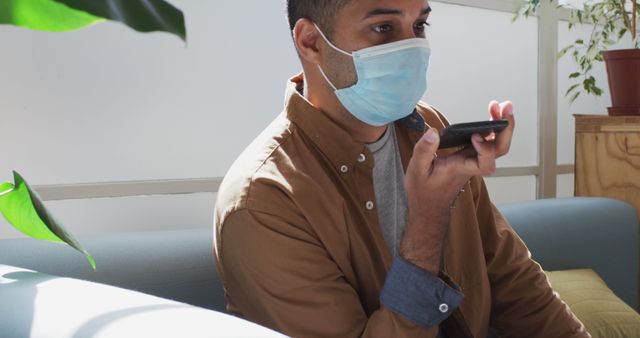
{"x":333,"y":141}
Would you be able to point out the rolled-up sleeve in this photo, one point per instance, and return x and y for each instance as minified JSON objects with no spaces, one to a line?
{"x":418,"y":295}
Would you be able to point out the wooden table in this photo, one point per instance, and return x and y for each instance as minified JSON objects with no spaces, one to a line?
{"x":608,"y":157}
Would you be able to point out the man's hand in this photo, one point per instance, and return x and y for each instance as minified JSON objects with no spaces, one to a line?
{"x":433,"y":183}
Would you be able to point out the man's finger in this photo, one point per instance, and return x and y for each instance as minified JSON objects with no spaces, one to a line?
{"x":504,"y":138}
{"x":424,"y":152}
{"x":494,"y":110}
{"x":485,"y":162}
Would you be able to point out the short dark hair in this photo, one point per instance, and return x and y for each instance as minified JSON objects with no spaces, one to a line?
{"x":322,"y":12}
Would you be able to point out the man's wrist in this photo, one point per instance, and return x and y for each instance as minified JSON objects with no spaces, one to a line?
{"x":417,"y":295}
{"x":427,"y":259}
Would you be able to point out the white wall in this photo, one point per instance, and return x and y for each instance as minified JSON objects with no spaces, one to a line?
{"x":129,"y":214}
{"x":478,"y":56}
{"x":109,"y":104}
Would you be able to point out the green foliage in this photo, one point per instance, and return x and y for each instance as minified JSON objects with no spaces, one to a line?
{"x":23,"y":208}
{"x":67,"y":15}
{"x":613,"y":21}
{"x":44,"y":15}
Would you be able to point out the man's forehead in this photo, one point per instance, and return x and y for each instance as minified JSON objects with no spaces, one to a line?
{"x":367,"y":8}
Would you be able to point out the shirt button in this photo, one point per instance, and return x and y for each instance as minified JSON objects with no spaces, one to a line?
{"x":369,"y":205}
{"x":362,"y":158}
{"x":344,"y":169}
{"x":444,"y":308}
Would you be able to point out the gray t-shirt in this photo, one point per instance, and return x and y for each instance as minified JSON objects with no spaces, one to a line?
{"x":391,"y":197}
{"x":388,"y":184}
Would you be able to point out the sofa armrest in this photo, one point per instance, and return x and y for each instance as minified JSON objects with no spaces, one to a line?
{"x":572,"y":233}
{"x":177,"y":264}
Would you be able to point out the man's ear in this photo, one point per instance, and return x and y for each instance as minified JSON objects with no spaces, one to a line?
{"x":307,"y":40}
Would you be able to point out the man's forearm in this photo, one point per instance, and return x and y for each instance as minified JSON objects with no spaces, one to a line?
{"x":423,"y":239}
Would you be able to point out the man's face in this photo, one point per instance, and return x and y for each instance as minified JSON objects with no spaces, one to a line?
{"x":367,"y":23}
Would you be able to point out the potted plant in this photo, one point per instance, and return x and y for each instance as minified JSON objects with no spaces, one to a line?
{"x":613,"y":21}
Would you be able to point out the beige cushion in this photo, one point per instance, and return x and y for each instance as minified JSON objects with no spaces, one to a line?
{"x":602,"y":312}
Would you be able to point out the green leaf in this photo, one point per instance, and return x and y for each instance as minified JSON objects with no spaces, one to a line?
{"x":574,"y":97}
{"x":515,"y":17}
{"x":23,"y":208}
{"x":44,"y":15}
{"x":572,"y":88}
{"x":564,"y":51}
{"x":621,"y":33}
{"x":597,"y":91}
{"x":574,"y":75}
{"x":66,"y":15}
{"x":141,"y":15}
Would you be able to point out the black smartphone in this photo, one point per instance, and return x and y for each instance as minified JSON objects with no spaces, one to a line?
{"x":457,"y":135}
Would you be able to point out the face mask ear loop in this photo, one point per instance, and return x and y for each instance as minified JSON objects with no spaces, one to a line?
{"x":327,"y":79}
{"x":329,"y":42}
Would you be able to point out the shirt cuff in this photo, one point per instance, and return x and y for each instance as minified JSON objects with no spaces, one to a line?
{"x":418,"y":295}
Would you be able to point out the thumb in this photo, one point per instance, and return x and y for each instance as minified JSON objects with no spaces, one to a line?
{"x":424,"y":152}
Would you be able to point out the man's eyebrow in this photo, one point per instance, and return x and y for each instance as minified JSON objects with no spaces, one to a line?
{"x":392,"y":11}
{"x":384,"y":11}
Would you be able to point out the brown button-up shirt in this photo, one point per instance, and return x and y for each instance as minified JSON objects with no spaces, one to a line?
{"x":300,"y":250}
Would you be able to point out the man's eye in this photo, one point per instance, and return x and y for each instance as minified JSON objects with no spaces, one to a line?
{"x":382,"y":29}
{"x":422,"y":26}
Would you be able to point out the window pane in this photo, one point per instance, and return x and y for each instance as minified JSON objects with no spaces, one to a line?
{"x":512,"y":189}
{"x":565,"y":185}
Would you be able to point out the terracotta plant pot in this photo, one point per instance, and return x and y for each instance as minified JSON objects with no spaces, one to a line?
{"x":623,"y":68}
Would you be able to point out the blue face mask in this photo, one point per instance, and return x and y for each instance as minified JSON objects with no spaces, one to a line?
{"x":391,"y":80}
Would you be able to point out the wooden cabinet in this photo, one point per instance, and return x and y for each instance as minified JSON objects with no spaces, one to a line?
{"x":608,"y":157}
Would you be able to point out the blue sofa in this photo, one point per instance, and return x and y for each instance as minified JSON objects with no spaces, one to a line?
{"x":596,"y":233}
{"x":574,"y":233}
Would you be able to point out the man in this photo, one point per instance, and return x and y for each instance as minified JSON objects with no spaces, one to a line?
{"x":342,"y":219}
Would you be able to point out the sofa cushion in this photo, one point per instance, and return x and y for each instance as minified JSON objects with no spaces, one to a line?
{"x":601,"y":311}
